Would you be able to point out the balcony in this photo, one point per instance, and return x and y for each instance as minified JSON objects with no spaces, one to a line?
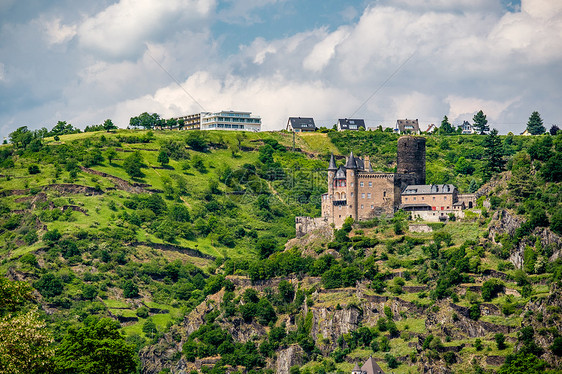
{"x":340,"y":202}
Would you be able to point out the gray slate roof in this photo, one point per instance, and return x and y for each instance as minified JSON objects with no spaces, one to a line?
{"x":429,"y":189}
{"x":371,"y":367}
{"x":345,"y":123}
{"x":301,"y":123}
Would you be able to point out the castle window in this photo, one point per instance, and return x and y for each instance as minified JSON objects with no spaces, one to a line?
{"x":445,"y":197}
{"x":433,"y":198}
{"x":370,"y":184}
{"x":406,"y":199}
{"x":362,"y":195}
{"x":384,"y":194}
{"x":351,"y":184}
{"x":414,"y":198}
{"x":361,"y":206}
{"x":368,"y":196}
{"x":352,"y":194}
{"x":423,"y":198}
{"x":372,"y":206}
{"x":361,"y":184}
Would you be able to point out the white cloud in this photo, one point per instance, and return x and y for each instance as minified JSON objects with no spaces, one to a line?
{"x":54,"y":32}
{"x":122,"y":29}
{"x":325,"y":50}
{"x":464,"y":108}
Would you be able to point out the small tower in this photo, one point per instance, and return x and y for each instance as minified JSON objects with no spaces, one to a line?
{"x":411,"y":157}
{"x":351,"y":176}
{"x":357,"y":370}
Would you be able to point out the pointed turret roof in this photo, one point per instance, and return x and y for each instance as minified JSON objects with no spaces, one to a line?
{"x":332,"y":166}
{"x":371,"y":367}
{"x":356,"y":369}
{"x":351,"y":164}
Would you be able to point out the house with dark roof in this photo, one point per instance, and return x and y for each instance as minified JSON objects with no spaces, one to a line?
{"x":300,"y":124}
{"x":466,"y":128}
{"x":369,"y":367}
{"x":351,"y":124}
{"x":407,"y":126}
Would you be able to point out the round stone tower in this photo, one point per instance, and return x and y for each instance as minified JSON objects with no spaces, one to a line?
{"x":411,"y":157}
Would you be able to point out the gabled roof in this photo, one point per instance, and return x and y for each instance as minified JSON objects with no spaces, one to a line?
{"x":301,"y":123}
{"x":429,"y":189}
{"x":350,"y":124}
{"x":408,"y":125}
{"x":340,"y":174}
{"x":371,"y":367}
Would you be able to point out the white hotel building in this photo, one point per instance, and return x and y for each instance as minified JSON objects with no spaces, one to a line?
{"x":230,"y":120}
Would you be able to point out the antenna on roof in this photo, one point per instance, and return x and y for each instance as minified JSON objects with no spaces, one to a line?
{"x":174,"y":79}
{"x":383,"y":84}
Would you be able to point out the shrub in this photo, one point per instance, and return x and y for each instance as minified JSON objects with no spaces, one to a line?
{"x":130,"y":290}
{"x":491,"y":288}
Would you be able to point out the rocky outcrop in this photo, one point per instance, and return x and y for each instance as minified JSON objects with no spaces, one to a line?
{"x":504,"y":222}
{"x":119,"y":183}
{"x":288,"y":357}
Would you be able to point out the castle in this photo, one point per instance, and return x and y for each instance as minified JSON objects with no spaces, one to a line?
{"x":356,"y":191}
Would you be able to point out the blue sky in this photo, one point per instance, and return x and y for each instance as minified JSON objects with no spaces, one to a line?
{"x":84,"y":62}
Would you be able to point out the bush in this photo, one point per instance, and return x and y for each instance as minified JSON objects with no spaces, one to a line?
{"x":49,"y":285}
{"x":491,"y":288}
{"x":142,"y":312}
{"x":500,"y":340}
{"x":33,"y":169}
{"x":130,"y":290}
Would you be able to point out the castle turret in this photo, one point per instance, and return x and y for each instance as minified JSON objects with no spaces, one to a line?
{"x":351,"y":177}
{"x":411,"y":157}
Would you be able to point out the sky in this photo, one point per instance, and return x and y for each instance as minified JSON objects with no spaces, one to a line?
{"x":382,"y":60}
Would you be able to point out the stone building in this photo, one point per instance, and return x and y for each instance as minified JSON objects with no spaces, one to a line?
{"x":356,"y":191}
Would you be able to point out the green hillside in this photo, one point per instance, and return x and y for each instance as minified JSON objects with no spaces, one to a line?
{"x":181,"y":237}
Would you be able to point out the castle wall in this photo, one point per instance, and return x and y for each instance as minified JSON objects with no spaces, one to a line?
{"x":304,"y":225}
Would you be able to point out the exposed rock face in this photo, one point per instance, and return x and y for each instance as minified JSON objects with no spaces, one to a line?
{"x":504,"y":222}
{"x":290,"y":356}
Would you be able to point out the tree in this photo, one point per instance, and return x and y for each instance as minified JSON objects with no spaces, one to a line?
{"x":62,"y":128}
{"x":523,"y":363}
{"x":163,"y":158}
{"x":110,"y":154}
{"x":108,"y":125}
{"x":500,"y":340}
{"x":480,"y":123}
{"x":130,"y":289}
{"x":521,"y":184}
{"x":446,"y":127}
{"x":133,"y":164}
{"x":96,"y":347}
{"x":171,"y":123}
{"x":554,"y":130}
{"x":463,"y":166}
{"x":493,"y":155}
{"x":535,"y":125}
{"x":24,"y":344}
{"x":21,"y":137}
{"x":552,"y":169}
{"x":491,"y":288}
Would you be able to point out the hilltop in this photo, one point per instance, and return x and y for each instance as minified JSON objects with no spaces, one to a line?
{"x":186,"y":239}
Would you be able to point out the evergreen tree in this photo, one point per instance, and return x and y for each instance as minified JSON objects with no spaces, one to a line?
{"x":446,"y":127}
{"x":493,"y":155}
{"x":481,"y":123}
{"x":535,"y":125}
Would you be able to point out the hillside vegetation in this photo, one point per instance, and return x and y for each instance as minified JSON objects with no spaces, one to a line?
{"x":175,"y":244}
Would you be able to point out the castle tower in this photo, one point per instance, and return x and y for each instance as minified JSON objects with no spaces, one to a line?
{"x":329,"y":206}
{"x":351,"y":176}
{"x":411,"y":157}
